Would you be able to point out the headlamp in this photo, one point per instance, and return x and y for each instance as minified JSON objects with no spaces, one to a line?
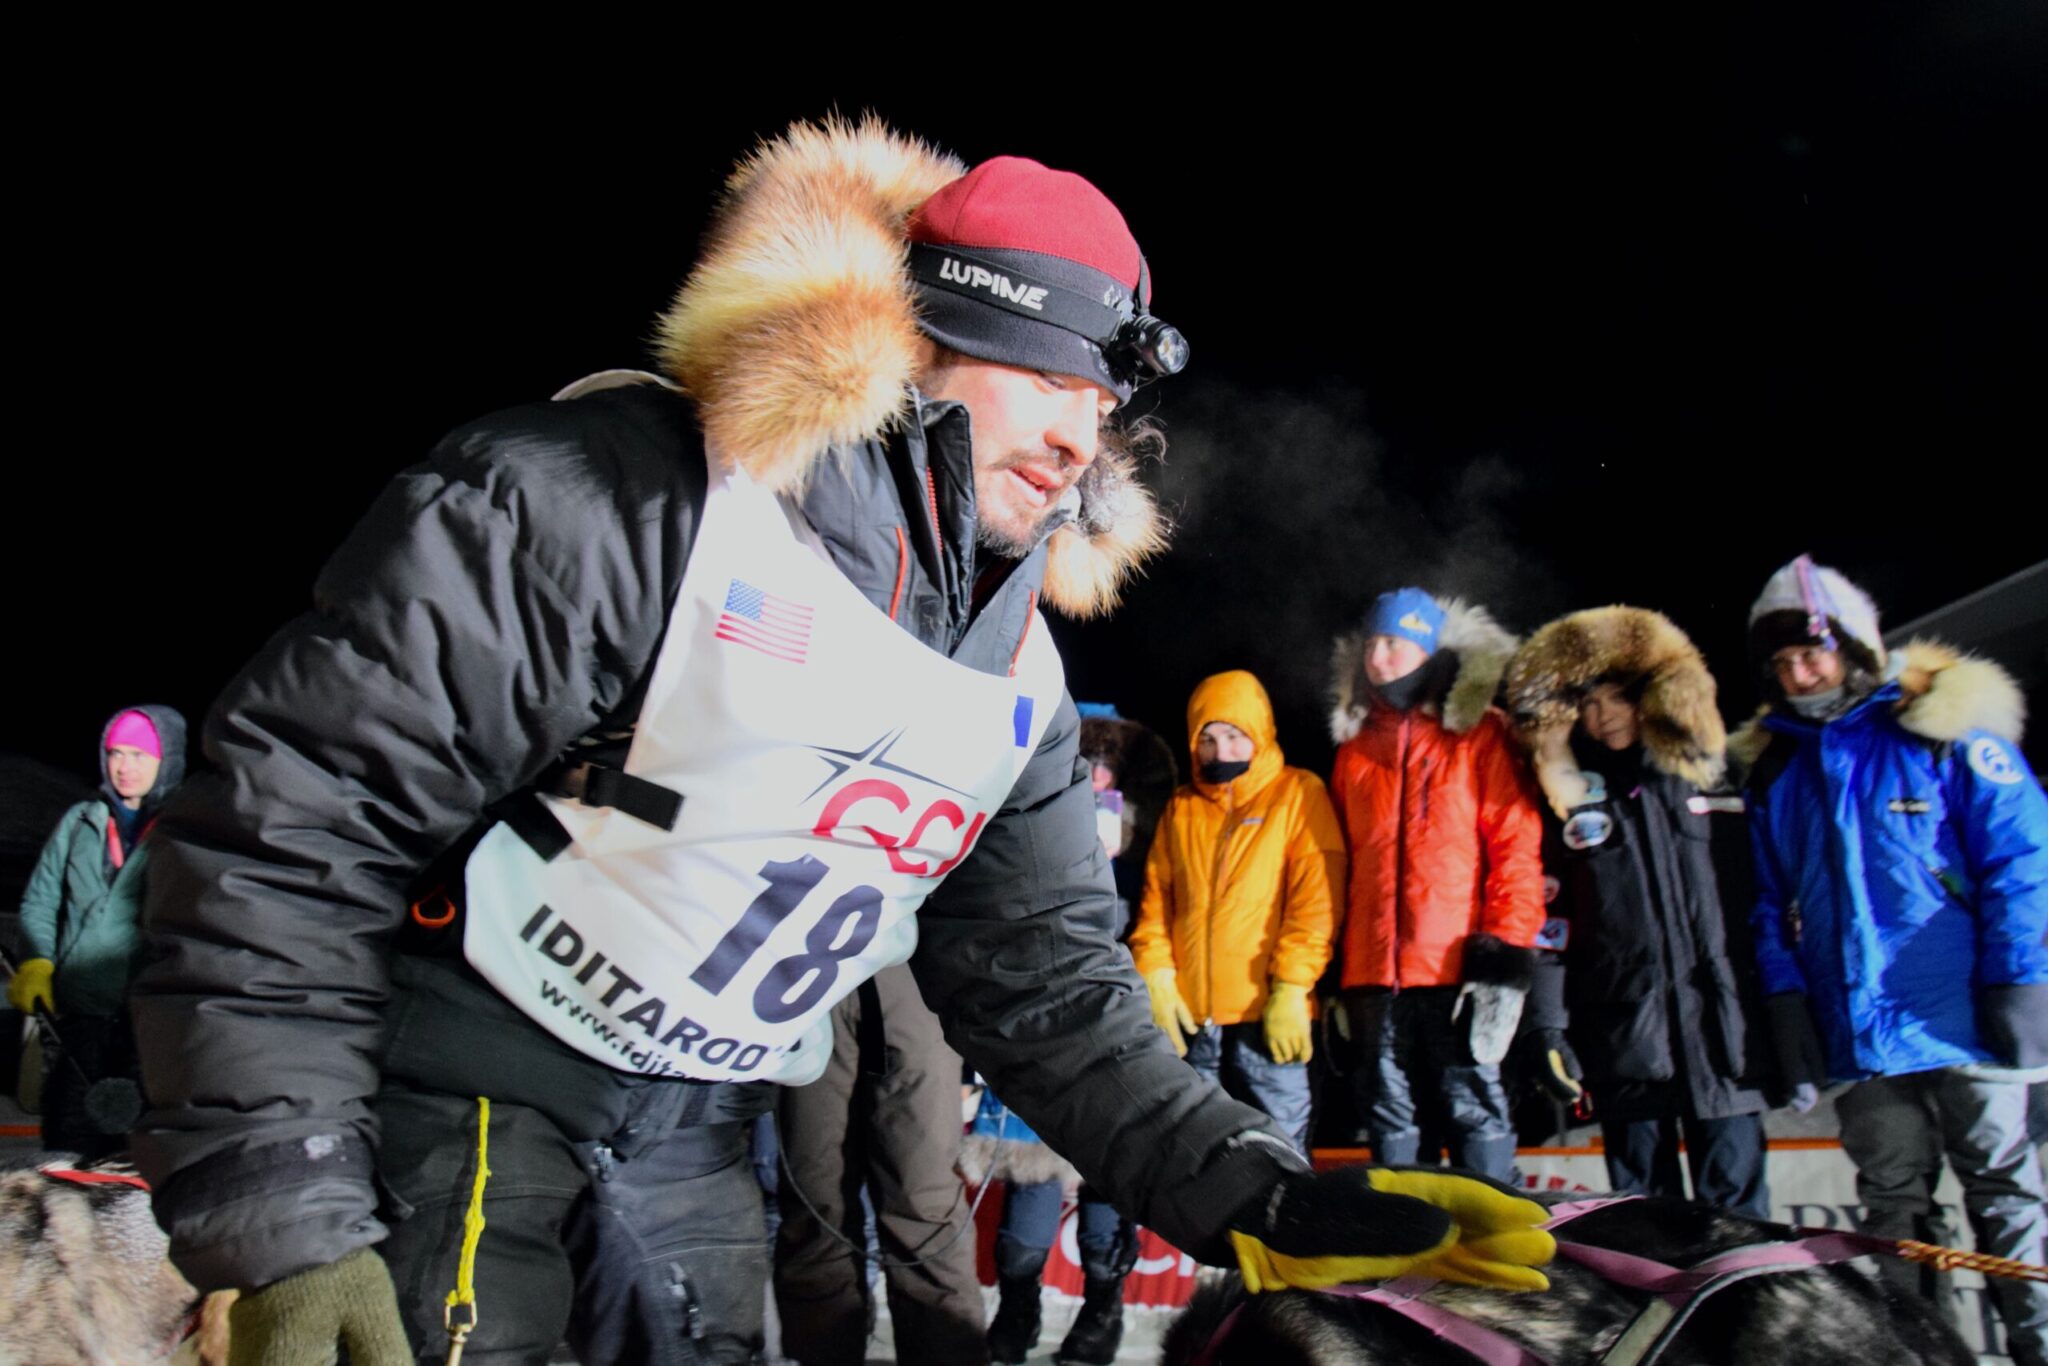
{"x":1146,"y":348}
{"x":1136,"y":346}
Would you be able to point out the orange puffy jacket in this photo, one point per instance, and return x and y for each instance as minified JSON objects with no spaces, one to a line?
{"x":1446,"y":842}
{"x":1242,"y":883}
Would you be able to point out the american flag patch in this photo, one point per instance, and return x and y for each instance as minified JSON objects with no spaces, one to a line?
{"x":759,"y":620}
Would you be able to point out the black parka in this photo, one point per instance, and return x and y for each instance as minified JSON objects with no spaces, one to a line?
{"x":500,"y":603}
{"x":1659,"y":978}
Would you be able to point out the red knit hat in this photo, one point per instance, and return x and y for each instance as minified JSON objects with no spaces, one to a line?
{"x":1024,"y":265}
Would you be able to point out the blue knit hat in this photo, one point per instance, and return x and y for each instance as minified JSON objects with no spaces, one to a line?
{"x":1408,"y":613}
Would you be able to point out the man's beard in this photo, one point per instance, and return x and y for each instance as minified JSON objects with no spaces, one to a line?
{"x":1009,"y":542}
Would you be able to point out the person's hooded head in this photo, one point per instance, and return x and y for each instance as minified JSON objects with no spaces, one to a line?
{"x":850,"y":265}
{"x":1405,"y":661}
{"x":1415,"y":652}
{"x":1609,"y":689}
{"x":142,"y":756}
{"x":1814,"y":636}
{"x":1231,"y":736}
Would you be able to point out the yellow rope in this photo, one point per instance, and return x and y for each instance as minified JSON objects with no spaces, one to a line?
{"x":463,"y":1296}
{"x":1954,"y":1259}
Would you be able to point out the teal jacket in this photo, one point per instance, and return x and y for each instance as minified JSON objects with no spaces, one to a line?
{"x":78,"y":910}
{"x":82,"y":915}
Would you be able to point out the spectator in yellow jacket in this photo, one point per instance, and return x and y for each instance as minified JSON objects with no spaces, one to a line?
{"x":1241,"y":891}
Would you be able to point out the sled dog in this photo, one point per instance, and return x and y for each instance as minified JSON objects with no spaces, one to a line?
{"x":1828,"y":1314}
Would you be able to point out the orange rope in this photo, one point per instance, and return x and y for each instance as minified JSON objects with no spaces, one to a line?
{"x":1955,"y":1259}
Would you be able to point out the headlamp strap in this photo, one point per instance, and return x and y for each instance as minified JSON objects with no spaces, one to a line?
{"x":1017,"y":291}
{"x":1814,"y":595}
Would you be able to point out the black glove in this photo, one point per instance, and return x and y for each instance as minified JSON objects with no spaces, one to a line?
{"x":1549,"y":1057}
{"x":2013,"y":1020}
{"x":1800,"y":1060}
{"x":1366,"y":1019}
{"x":1545,"y":1008}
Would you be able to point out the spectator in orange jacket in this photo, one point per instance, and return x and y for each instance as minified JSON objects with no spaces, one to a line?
{"x":1446,"y":888}
{"x":1240,"y":901}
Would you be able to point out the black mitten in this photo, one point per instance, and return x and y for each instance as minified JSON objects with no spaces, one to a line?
{"x":2012,"y":1017}
{"x":1798,"y":1046}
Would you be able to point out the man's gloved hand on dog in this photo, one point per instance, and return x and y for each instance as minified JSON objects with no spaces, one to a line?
{"x":350,"y":1302}
{"x":1372,"y":1223}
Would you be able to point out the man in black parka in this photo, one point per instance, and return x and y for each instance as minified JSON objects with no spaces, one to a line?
{"x":1617,"y":709}
{"x":919,"y":367}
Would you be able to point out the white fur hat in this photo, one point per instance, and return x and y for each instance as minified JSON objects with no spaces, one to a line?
{"x":1826,"y":599}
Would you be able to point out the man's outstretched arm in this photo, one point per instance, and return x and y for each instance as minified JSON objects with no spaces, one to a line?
{"x":1016,"y":955}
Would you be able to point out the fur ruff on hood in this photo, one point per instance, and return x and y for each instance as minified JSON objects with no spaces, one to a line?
{"x":1944,"y":695}
{"x":1682,"y":731}
{"x":1483,"y":649}
{"x":797,"y":332}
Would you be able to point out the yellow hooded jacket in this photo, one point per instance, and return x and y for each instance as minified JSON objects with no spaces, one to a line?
{"x":1244,"y":877}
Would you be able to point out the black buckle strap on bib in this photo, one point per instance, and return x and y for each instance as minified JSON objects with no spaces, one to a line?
{"x":529,"y":818}
{"x":436,"y":900}
{"x":650,"y":803}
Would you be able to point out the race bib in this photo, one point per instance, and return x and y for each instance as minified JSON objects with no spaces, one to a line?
{"x":832,"y":769}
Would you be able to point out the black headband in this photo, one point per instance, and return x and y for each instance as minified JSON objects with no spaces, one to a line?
{"x":1007,"y":286}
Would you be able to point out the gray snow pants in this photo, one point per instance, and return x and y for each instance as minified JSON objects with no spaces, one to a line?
{"x":1897,"y":1130}
{"x":886,"y":1115}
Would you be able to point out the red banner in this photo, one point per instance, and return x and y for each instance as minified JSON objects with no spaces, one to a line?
{"x":1164,"y":1276}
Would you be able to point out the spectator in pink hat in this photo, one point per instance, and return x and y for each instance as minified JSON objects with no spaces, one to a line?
{"x":79,"y":920}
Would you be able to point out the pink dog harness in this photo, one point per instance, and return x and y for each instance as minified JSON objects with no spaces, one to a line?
{"x":1674,"y":1292}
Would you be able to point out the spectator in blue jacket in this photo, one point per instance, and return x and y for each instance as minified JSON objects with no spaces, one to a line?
{"x":1902,"y":877}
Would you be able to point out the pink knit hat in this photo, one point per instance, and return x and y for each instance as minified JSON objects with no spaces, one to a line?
{"x":134,"y":728}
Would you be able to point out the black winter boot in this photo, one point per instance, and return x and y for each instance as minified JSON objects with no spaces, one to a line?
{"x":1014,"y":1332}
{"x":1098,"y":1328}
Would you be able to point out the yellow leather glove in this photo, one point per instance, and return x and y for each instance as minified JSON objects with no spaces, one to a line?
{"x":1500,"y":1235}
{"x":30,"y":987}
{"x":1374,"y":1223}
{"x":1169,"y":1011}
{"x":1286,"y":1020}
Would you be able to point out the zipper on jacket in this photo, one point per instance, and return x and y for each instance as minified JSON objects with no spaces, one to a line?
{"x":1030,"y":615}
{"x":902,"y":572}
{"x":1216,"y":869}
{"x":1400,"y":852}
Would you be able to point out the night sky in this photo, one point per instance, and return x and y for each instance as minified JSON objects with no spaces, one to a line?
{"x":1551,"y":319}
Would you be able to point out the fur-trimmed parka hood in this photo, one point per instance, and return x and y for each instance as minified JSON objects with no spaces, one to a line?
{"x":797,"y":332}
{"x":1482,"y":648}
{"x":1944,"y":694}
{"x":1682,"y":731}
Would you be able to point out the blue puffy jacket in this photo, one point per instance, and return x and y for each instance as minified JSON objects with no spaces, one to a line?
{"x":1902,"y":863}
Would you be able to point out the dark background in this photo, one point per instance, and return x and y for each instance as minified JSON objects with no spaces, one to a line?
{"x":1549,"y":318}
